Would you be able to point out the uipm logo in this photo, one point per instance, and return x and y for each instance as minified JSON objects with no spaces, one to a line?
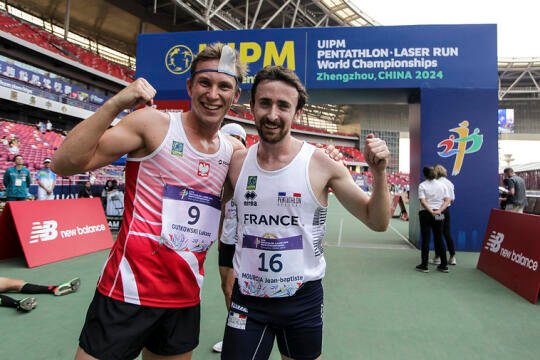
{"x":43,"y":231}
{"x":494,"y":242}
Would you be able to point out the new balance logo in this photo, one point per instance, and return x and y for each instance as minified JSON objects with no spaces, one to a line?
{"x":494,"y":242}
{"x":43,"y":231}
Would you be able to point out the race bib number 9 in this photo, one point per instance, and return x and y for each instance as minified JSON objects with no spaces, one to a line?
{"x":271,"y":267}
{"x":190,"y":219}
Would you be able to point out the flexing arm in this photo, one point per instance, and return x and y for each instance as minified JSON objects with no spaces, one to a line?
{"x":90,"y":145}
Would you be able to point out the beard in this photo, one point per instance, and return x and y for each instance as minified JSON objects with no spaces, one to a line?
{"x":273,"y":137}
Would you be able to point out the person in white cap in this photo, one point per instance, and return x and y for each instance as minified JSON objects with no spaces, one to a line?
{"x":46,"y":180}
{"x":235,"y":130}
{"x":228,"y":230}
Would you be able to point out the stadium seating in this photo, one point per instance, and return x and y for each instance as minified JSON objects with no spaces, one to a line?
{"x":351,"y":154}
{"x":36,"y":146}
{"x":55,"y":44}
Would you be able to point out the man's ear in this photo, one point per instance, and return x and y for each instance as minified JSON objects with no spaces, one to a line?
{"x":237,"y":95}
{"x":298,"y":114}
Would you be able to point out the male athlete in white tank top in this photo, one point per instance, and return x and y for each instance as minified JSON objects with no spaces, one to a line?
{"x":281,"y":190}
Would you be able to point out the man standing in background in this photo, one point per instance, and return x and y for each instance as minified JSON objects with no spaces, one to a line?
{"x":228,"y":233}
{"x":17,"y":180}
{"x":46,"y":180}
{"x":517,"y":197}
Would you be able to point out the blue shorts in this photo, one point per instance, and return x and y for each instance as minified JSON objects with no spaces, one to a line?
{"x":295,"y":322}
{"x":115,"y":330}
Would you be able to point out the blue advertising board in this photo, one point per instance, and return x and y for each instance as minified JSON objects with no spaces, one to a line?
{"x":434,"y":56}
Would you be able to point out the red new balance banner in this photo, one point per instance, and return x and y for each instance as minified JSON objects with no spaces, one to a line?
{"x":53,"y":230}
{"x":511,"y":252}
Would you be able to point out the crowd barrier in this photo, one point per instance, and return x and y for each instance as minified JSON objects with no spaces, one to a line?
{"x":511,"y":252}
{"x":53,"y":230}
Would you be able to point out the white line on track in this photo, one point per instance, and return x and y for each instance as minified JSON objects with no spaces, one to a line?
{"x":406,"y":239}
{"x":340,"y":232}
{"x":370,"y":246}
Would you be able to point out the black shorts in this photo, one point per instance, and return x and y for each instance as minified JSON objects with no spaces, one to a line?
{"x":117,"y":330}
{"x":295,"y":322}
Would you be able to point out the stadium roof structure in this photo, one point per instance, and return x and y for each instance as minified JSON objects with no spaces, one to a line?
{"x":116,"y":23}
{"x":519,"y":79}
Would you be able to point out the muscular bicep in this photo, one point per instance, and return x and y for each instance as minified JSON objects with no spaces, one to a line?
{"x":114,"y":143}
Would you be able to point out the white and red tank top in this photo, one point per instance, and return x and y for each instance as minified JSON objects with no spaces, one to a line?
{"x":281,"y":226}
{"x":171,"y":217}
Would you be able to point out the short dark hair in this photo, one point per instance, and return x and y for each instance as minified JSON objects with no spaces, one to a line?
{"x":508,"y":170}
{"x":16,"y":156}
{"x":429,"y":173}
{"x":279,"y":73}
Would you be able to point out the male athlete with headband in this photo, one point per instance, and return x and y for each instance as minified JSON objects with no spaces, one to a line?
{"x":148,"y":295}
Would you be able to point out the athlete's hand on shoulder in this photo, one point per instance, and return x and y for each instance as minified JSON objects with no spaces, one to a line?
{"x":376,"y":153}
{"x":332,"y":152}
{"x":139,"y":92}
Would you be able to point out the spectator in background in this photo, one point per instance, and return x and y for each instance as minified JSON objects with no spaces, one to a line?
{"x":441,"y":174}
{"x":46,"y":181}
{"x":104,"y":192}
{"x":228,"y":230}
{"x":41,"y":126}
{"x":86,"y":190}
{"x":17,"y":180}
{"x":48,"y":126}
{"x":14,"y":146}
{"x":5,"y":140}
{"x":434,"y":199}
{"x":29,"y":303}
{"x":91,"y":177}
{"x":517,"y":197}
{"x":115,"y":200}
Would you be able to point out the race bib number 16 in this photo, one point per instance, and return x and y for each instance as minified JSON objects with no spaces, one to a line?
{"x":190,"y":219}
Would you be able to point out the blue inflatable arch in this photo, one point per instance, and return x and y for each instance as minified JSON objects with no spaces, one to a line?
{"x":450,"y":69}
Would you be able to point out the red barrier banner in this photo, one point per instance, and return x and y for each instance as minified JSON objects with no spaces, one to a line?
{"x":53,"y":230}
{"x":511,"y":252}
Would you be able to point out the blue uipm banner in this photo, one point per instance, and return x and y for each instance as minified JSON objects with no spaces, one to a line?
{"x":426,"y":56}
{"x":269,"y":244}
{"x":185,"y":194}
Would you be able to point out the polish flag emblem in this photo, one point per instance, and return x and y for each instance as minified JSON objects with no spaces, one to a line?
{"x":204,"y":169}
